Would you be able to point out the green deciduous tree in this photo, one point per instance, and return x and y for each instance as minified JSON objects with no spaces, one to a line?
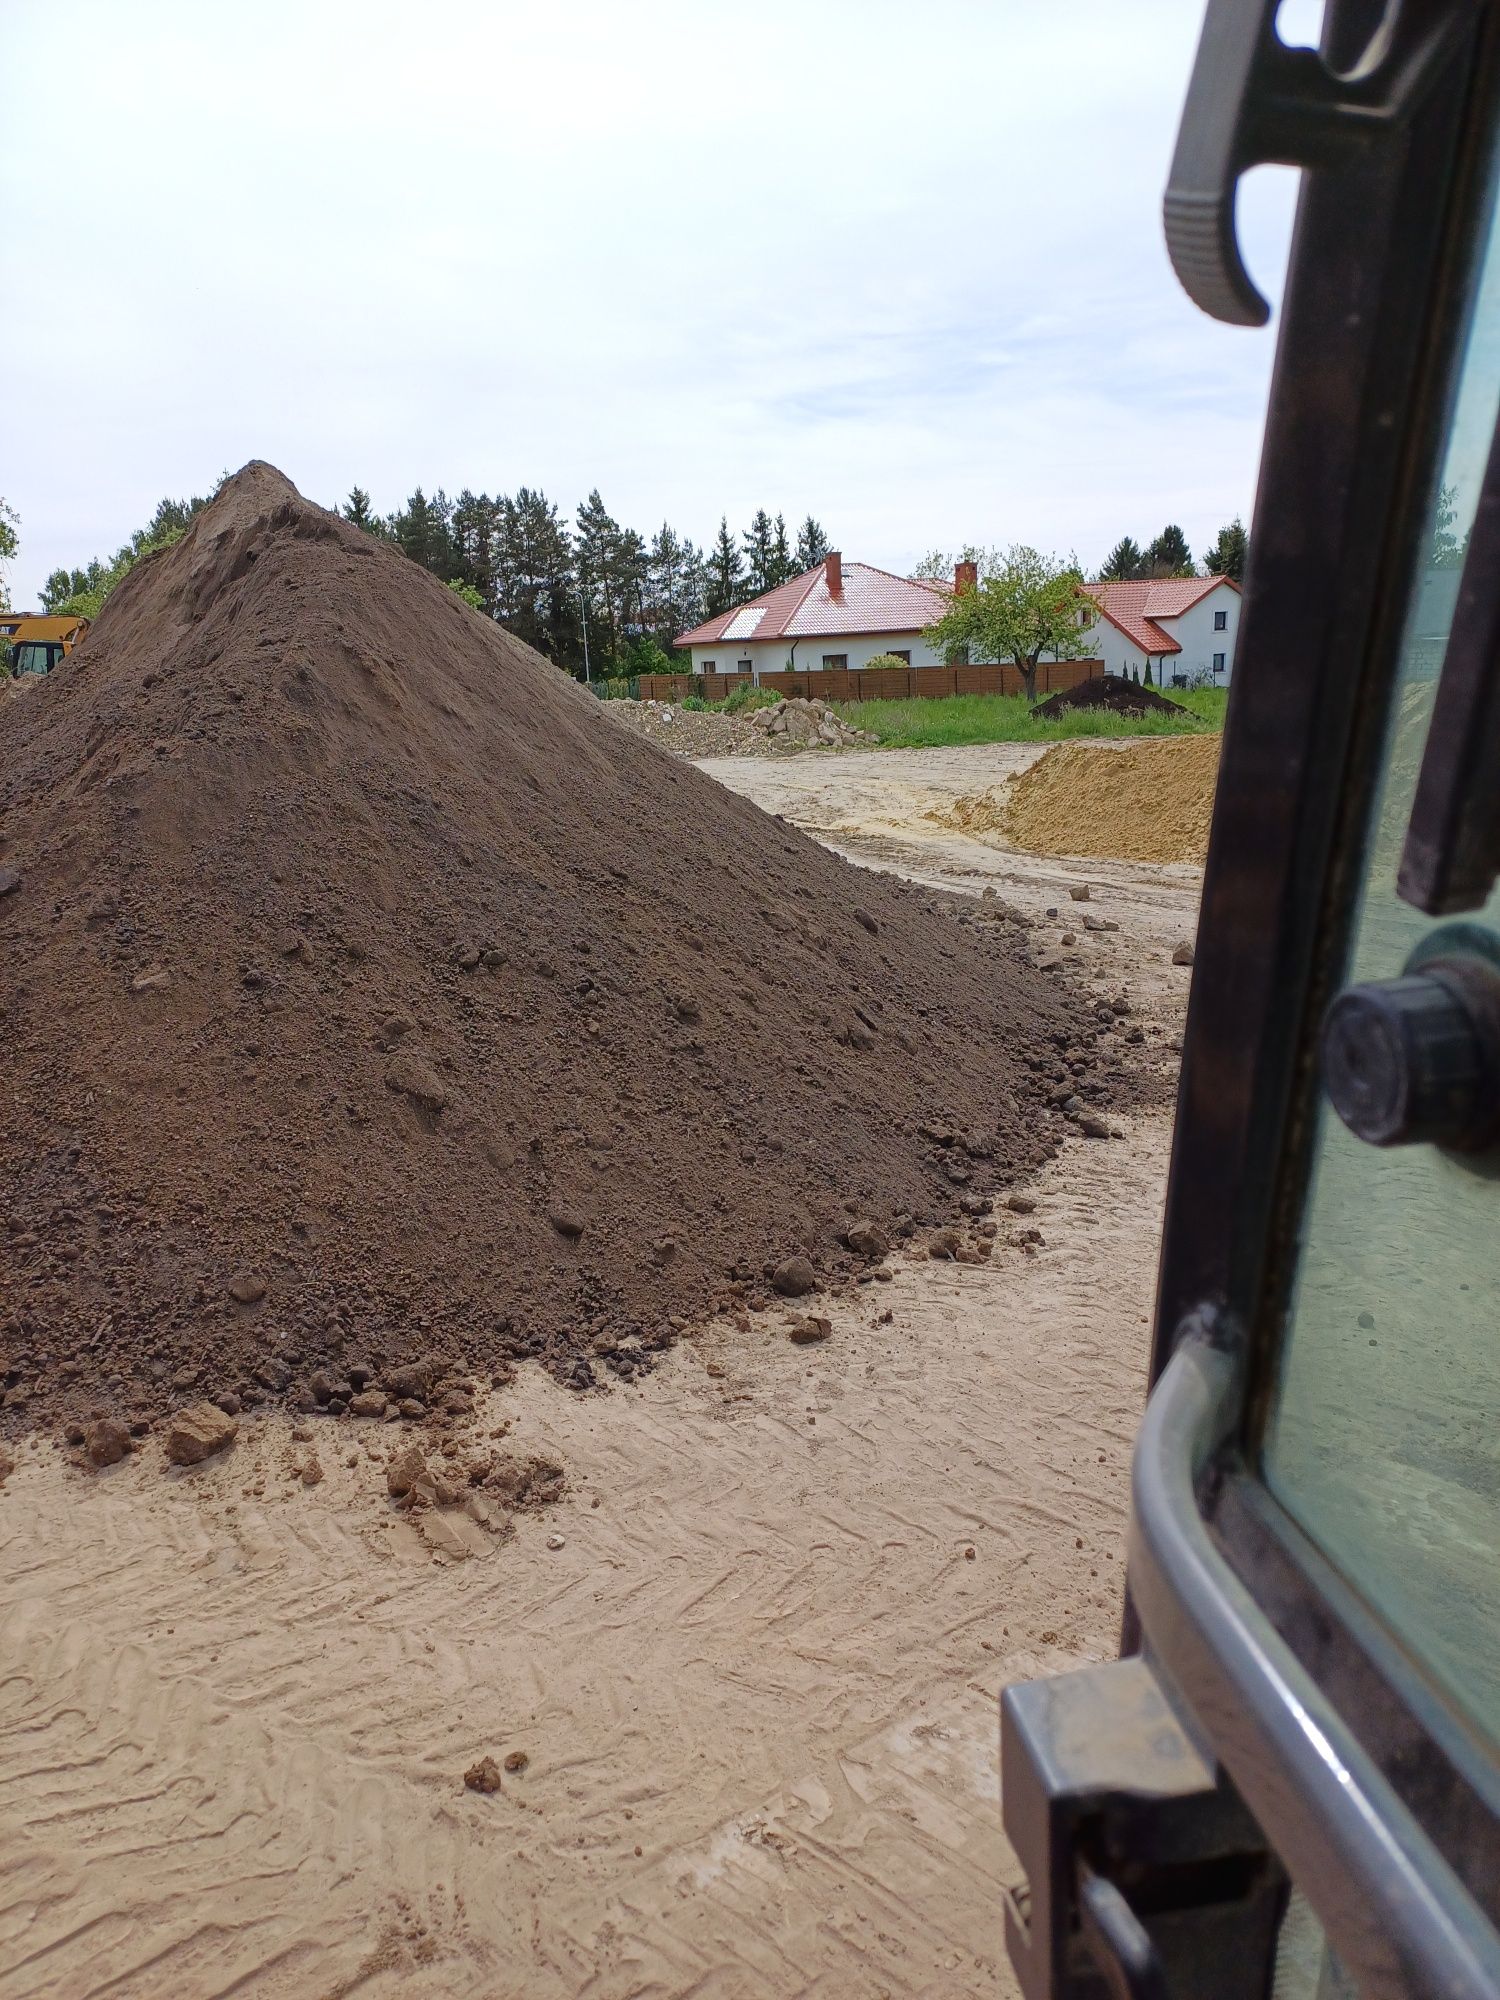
{"x":1169,"y":554}
{"x":1026,"y":604}
{"x":1448,"y":547}
{"x":1227,"y":556}
{"x":1124,"y":563}
{"x":80,"y":593}
{"x":10,"y":542}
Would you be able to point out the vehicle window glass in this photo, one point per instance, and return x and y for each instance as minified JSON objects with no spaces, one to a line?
{"x":1383,"y":1435}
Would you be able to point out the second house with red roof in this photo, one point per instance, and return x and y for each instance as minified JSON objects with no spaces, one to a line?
{"x":844,"y":614}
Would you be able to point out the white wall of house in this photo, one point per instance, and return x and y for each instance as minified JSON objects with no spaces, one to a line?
{"x":1202,"y":643}
{"x":1196,"y":632}
{"x":808,"y":655}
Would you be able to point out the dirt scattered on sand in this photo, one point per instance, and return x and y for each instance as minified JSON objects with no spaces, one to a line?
{"x":483,"y":1776}
{"x":448,"y":957}
{"x":1111,"y":692}
{"x":1148,"y":801}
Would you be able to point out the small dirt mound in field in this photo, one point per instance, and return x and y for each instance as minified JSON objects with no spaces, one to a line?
{"x":1112,"y":693}
{"x":1145,"y":801}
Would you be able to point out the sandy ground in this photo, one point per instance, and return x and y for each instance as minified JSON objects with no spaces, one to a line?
{"x":756,"y":1684}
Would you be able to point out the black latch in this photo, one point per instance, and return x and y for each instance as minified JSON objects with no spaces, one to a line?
{"x":1255,"y":102}
{"x":1147,"y":1879}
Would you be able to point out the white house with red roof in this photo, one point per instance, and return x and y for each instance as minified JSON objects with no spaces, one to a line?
{"x":1183,"y":628}
{"x":837,"y":615}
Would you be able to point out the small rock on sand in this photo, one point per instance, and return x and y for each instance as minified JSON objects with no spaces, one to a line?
{"x":483,"y":1776}
{"x":247,"y":1288}
{"x":198,"y":1432}
{"x":517,"y":1760}
{"x":368,"y":1403}
{"x":404,"y":1471}
{"x":866,"y":1240}
{"x":1182,"y":952}
{"x":794,"y":1277}
{"x":106,"y":1442}
{"x":151,"y":982}
{"x":10,"y":879}
{"x":808,"y":1329}
{"x":1079,"y":891}
{"x":943,"y":1243}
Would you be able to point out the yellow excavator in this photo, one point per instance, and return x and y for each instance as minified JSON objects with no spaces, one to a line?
{"x":37,"y":643}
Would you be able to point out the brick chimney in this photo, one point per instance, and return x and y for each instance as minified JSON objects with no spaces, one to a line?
{"x":965,"y":577}
{"x":833,"y":572}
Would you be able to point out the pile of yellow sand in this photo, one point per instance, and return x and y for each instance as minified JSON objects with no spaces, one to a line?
{"x":1148,"y":802}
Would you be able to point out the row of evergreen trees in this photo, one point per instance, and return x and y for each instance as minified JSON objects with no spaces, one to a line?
{"x":1169,"y":555}
{"x":565,"y":587}
{"x":562,"y":585}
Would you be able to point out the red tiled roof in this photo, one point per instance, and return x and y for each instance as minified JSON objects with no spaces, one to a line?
{"x":870,"y":601}
{"x":1135,"y":607}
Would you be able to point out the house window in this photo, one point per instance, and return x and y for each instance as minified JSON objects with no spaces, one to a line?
{"x":1218,"y":663}
{"x":1221,"y":621}
{"x":709,"y":667}
{"x":838,"y":660}
{"x":744,"y":666}
{"x":904,"y":658}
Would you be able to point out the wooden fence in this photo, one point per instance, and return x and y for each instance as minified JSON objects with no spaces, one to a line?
{"x":878,"y":684}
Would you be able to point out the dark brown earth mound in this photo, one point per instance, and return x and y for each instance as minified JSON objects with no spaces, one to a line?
{"x":370,"y":998}
{"x":1113,"y":692}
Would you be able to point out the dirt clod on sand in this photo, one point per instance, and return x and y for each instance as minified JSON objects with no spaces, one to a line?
{"x":1111,"y":692}
{"x":483,"y":1776}
{"x":1147,"y":801}
{"x":198,"y":1432}
{"x":686,"y":1021}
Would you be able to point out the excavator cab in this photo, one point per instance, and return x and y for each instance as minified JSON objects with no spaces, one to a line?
{"x":1288,"y":1785}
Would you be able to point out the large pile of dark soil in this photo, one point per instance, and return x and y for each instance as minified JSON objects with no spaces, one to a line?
{"x":367,"y":995}
{"x":1112,"y":692}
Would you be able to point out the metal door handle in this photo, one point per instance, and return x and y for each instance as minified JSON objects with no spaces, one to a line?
{"x":1253,"y":101}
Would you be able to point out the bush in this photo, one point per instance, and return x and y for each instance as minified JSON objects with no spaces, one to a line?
{"x":747,"y":695}
{"x":885,"y":663}
{"x":695,"y":703}
{"x":617,"y":690}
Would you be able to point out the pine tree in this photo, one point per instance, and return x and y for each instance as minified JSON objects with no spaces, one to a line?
{"x":674,"y":587}
{"x":597,"y":550}
{"x":1124,"y":562}
{"x":1227,"y":556}
{"x":1169,"y":554}
{"x":726,"y":576}
{"x":423,"y":531}
{"x":760,"y":546}
{"x":781,"y":555}
{"x":475,"y":534}
{"x":812,"y":546}
{"x":538,"y":598}
{"x":357,"y":509}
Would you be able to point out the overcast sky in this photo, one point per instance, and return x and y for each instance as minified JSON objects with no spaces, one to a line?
{"x":897,"y":265}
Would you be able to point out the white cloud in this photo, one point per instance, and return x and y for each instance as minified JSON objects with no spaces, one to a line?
{"x":902,"y":268}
